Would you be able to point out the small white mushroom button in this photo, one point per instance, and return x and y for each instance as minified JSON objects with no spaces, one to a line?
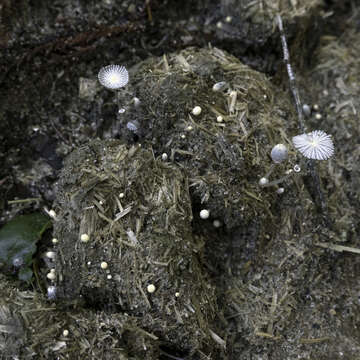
{"x":84,"y":238}
{"x":196,"y":110}
{"x":204,"y":214}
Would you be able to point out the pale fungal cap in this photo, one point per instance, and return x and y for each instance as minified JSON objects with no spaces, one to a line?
{"x":50,"y":254}
{"x":54,"y":241}
{"x":228,"y":19}
{"x":219,"y":85}
{"x":177,"y":294}
{"x":279,"y":153}
{"x":216,"y":223}
{"x":109,"y":277}
{"x":84,"y":238}
{"x":280,"y":190}
{"x":315,"y":145}
{"x":204,"y":214}
{"x":151,"y":288}
{"x":196,"y":110}
{"x":189,"y":128}
{"x":66,"y":332}
{"x":136,"y":101}
{"x":51,"y":275}
{"x":318,"y":116}
{"x":51,"y":292}
{"x":52,"y":214}
{"x":113,"y":77}
{"x":263,"y":181}
{"x":306,"y":110}
{"x":164,"y":156}
{"x":316,"y":107}
{"x":104,"y":265}
{"x":219,"y":119}
{"x":183,"y":136}
{"x":121,"y":195}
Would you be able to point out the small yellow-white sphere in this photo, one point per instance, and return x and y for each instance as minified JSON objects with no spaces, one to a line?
{"x":52,"y":214}
{"x":50,"y":254}
{"x":104,"y":265}
{"x":151,"y":288}
{"x":196,"y":110}
{"x":263,"y":181}
{"x":51,"y":275}
{"x":66,"y":332}
{"x":54,"y":241}
{"x":204,"y":214}
{"x":219,"y":119}
{"x":84,"y":238}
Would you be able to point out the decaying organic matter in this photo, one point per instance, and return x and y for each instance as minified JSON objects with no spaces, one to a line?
{"x":137,"y":214}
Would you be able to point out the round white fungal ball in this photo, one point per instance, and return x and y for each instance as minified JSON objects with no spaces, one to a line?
{"x":151,"y":288}
{"x":113,"y":77}
{"x":263,"y":181}
{"x":279,"y":153}
{"x":219,"y":119}
{"x":66,"y":332}
{"x":280,"y":190}
{"x":318,"y":116}
{"x":136,"y":101}
{"x":51,"y":275}
{"x":52,"y":214}
{"x":306,"y":110}
{"x":219,"y":86}
{"x":104,"y":265}
{"x":196,"y":110}
{"x":50,"y":255}
{"x":164,"y":156}
{"x":84,"y":238}
{"x":204,"y":214}
{"x":54,"y":241}
{"x":51,"y":292}
{"x":216,"y":223}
